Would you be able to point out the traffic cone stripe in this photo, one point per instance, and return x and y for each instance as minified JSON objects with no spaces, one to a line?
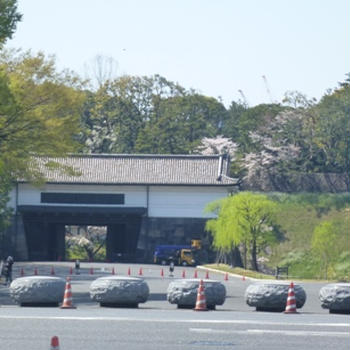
{"x":67,"y":299}
{"x":201,"y":303}
{"x":291,"y":306}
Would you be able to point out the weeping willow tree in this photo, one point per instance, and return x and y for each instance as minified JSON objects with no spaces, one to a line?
{"x":245,"y":219}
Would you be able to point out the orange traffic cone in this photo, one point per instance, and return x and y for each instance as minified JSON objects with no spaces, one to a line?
{"x":54,"y":343}
{"x":291,"y":307}
{"x":52,"y":271}
{"x":140,"y":272}
{"x":201,"y":303}
{"x":243,"y":278}
{"x":22,"y":272}
{"x":162,"y":273}
{"x":129,"y":271}
{"x":226,"y":276}
{"x":67,"y":299}
{"x":183,"y":274}
{"x":35,"y":271}
{"x":207,"y":275}
{"x":195,"y":274}
{"x":113,"y":271}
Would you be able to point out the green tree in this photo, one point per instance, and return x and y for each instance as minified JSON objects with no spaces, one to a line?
{"x":181,"y":123}
{"x":324,"y":245}
{"x":8,"y":19}
{"x":245,"y":218}
{"x":39,"y":115}
{"x":120,"y":110}
{"x":39,"y":111}
{"x":332,"y":130}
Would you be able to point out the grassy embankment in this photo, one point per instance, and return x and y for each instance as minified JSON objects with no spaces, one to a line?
{"x":298,"y":215}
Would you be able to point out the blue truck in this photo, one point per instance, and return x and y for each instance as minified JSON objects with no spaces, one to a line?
{"x":182,"y":254}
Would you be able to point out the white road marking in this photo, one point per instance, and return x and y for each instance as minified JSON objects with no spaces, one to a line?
{"x":271,"y":331}
{"x":163,"y":320}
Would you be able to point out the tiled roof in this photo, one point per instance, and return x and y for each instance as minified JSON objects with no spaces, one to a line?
{"x":140,"y":169}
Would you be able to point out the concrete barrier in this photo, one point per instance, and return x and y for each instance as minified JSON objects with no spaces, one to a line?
{"x":119,"y":291}
{"x":336,"y":297}
{"x":184,"y":293}
{"x":272,"y":295}
{"x":37,"y":290}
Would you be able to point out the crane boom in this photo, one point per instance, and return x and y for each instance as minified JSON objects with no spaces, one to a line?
{"x":243,"y":97}
{"x":268,"y":89}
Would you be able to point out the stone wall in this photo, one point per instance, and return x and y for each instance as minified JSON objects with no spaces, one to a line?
{"x":160,"y":231}
{"x":153,"y":232}
{"x":13,"y":241}
{"x":297,"y":182}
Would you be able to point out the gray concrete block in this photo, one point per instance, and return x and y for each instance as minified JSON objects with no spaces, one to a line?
{"x":336,"y":297}
{"x":37,"y":290}
{"x":184,"y":293}
{"x":119,"y":291}
{"x":272,"y":295}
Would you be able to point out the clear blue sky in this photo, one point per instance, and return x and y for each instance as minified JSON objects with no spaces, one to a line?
{"x":214,"y":46}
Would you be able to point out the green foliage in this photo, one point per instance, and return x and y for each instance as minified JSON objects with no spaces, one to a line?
{"x":244,"y":218}
{"x":8,"y":19}
{"x":321,"y":202}
{"x":39,"y":110}
{"x":251,"y":119}
{"x":148,"y":115}
{"x":324,"y":244}
{"x":76,"y":252}
{"x":300,"y":215}
{"x":154,"y":115}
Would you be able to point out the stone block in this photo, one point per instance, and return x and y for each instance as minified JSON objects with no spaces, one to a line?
{"x":37,"y":290}
{"x":184,"y":293}
{"x":272,"y":295}
{"x":336,"y":297}
{"x":119,"y":291}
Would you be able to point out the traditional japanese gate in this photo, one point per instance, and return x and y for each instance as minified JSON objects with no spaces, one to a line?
{"x":44,"y":228}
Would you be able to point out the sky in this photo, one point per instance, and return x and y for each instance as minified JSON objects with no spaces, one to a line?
{"x":216,"y":47}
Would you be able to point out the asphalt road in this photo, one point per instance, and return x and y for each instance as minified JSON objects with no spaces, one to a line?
{"x":160,"y":325}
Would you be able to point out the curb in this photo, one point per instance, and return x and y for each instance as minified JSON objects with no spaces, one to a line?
{"x":229,"y":273}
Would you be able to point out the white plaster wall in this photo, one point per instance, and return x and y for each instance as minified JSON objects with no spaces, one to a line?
{"x":184,"y":202}
{"x":164,"y":201}
{"x":135,"y":196}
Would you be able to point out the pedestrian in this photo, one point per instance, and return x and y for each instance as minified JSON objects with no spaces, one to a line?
{"x":8,"y":269}
{"x":77,"y":267}
{"x":171,"y":266}
{"x":2,"y":268}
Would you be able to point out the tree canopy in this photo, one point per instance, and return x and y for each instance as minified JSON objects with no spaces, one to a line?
{"x":9,"y":16}
{"x":244,"y":218}
{"x":39,"y":111}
